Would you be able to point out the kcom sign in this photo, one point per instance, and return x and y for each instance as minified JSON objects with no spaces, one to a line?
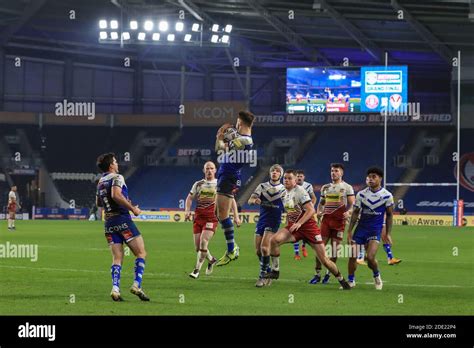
{"x":211,"y":113}
{"x":218,"y":113}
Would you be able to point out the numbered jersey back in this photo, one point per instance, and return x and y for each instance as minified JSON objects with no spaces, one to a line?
{"x":104,"y":194}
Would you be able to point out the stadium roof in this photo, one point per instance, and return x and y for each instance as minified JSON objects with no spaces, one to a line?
{"x":322,"y":32}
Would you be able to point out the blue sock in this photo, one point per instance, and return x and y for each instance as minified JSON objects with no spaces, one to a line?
{"x":376,"y":273}
{"x":228,"y":228}
{"x":388,"y":250}
{"x":296,"y":247}
{"x":115,"y":272}
{"x":351,"y":277}
{"x":264,"y":264}
{"x":139,"y":269}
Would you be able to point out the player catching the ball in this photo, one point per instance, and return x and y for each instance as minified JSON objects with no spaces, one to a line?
{"x":231,"y":146}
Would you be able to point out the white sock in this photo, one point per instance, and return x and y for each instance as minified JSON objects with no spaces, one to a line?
{"x":276,"y":263}
{"x":9,"y":223}
{"x":209,"y":256}
{"x":200,"y":260}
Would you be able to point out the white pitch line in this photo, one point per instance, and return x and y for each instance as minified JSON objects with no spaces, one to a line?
{"x":220,"y":277}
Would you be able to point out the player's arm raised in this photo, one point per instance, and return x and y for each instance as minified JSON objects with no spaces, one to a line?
{"x":220,"y":145}
{"x":308,"y":214}
{"x":119,"y":198}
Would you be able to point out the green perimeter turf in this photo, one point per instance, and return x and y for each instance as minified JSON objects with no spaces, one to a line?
{"x":74,"y":260}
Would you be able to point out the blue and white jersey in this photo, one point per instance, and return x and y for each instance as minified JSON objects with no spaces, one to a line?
{"x":238,"y":154}
{"x":272,"y":204}
{"x":104,"y":195}
{"x":373,"y":206}
{"x":308,"y":187}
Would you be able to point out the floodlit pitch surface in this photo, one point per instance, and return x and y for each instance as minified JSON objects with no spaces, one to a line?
{"x":72,"y":275}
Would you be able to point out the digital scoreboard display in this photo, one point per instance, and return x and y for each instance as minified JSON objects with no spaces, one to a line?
{"x":383,"y":88}
{"x":345,"y":90}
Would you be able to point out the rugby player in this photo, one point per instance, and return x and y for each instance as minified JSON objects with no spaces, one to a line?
{"x":334,"y":208}
{"x":229,"y":177}
{"x":300,"y":176}
{"x":373,"y":203}
{"x":112,"y":196}
{"x":205,"y":219}
{"x":11,"y":208}
{"x":301,"y":225}
{"x":268,"y":196}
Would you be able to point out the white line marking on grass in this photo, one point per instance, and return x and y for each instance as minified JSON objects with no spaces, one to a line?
{"x":170,"y":275}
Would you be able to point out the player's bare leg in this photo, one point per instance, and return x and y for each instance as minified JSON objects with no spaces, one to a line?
{"x":197,"y":243}
{"x":202,"y":253}
{"x":335,"y":243}
{"x":320,"y":252}
{"x":137,"y":246}
{"x":387,"y":246}
{"x":352,"y":263}
{"x":11,"y":221}
{"x":211,"y":260}
{"x":283,"y":236}
{"x":372,"y":248}
{"x":223,"y":205}
{"x":117,"y":259}
{"x":317,"y":276}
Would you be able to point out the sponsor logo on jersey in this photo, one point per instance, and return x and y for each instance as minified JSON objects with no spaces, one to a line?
{"x":116,"y":228}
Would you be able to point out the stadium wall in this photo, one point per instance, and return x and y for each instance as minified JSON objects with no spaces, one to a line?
{"x":252,"y":217}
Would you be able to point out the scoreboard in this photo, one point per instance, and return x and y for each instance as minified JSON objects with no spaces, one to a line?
{"x":383,"y":88}
{"x":346,"y":90}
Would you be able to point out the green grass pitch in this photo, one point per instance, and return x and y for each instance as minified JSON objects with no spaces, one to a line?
{"x":73,"y":259}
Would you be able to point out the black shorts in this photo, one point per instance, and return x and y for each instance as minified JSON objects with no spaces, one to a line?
{"x":228,"y":185}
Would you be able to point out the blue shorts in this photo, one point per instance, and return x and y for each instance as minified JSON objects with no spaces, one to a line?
{"x":120,"y":229}
{"x":228,"y":185}
{"x":261,"y":229}
{"x":363,"y":236}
